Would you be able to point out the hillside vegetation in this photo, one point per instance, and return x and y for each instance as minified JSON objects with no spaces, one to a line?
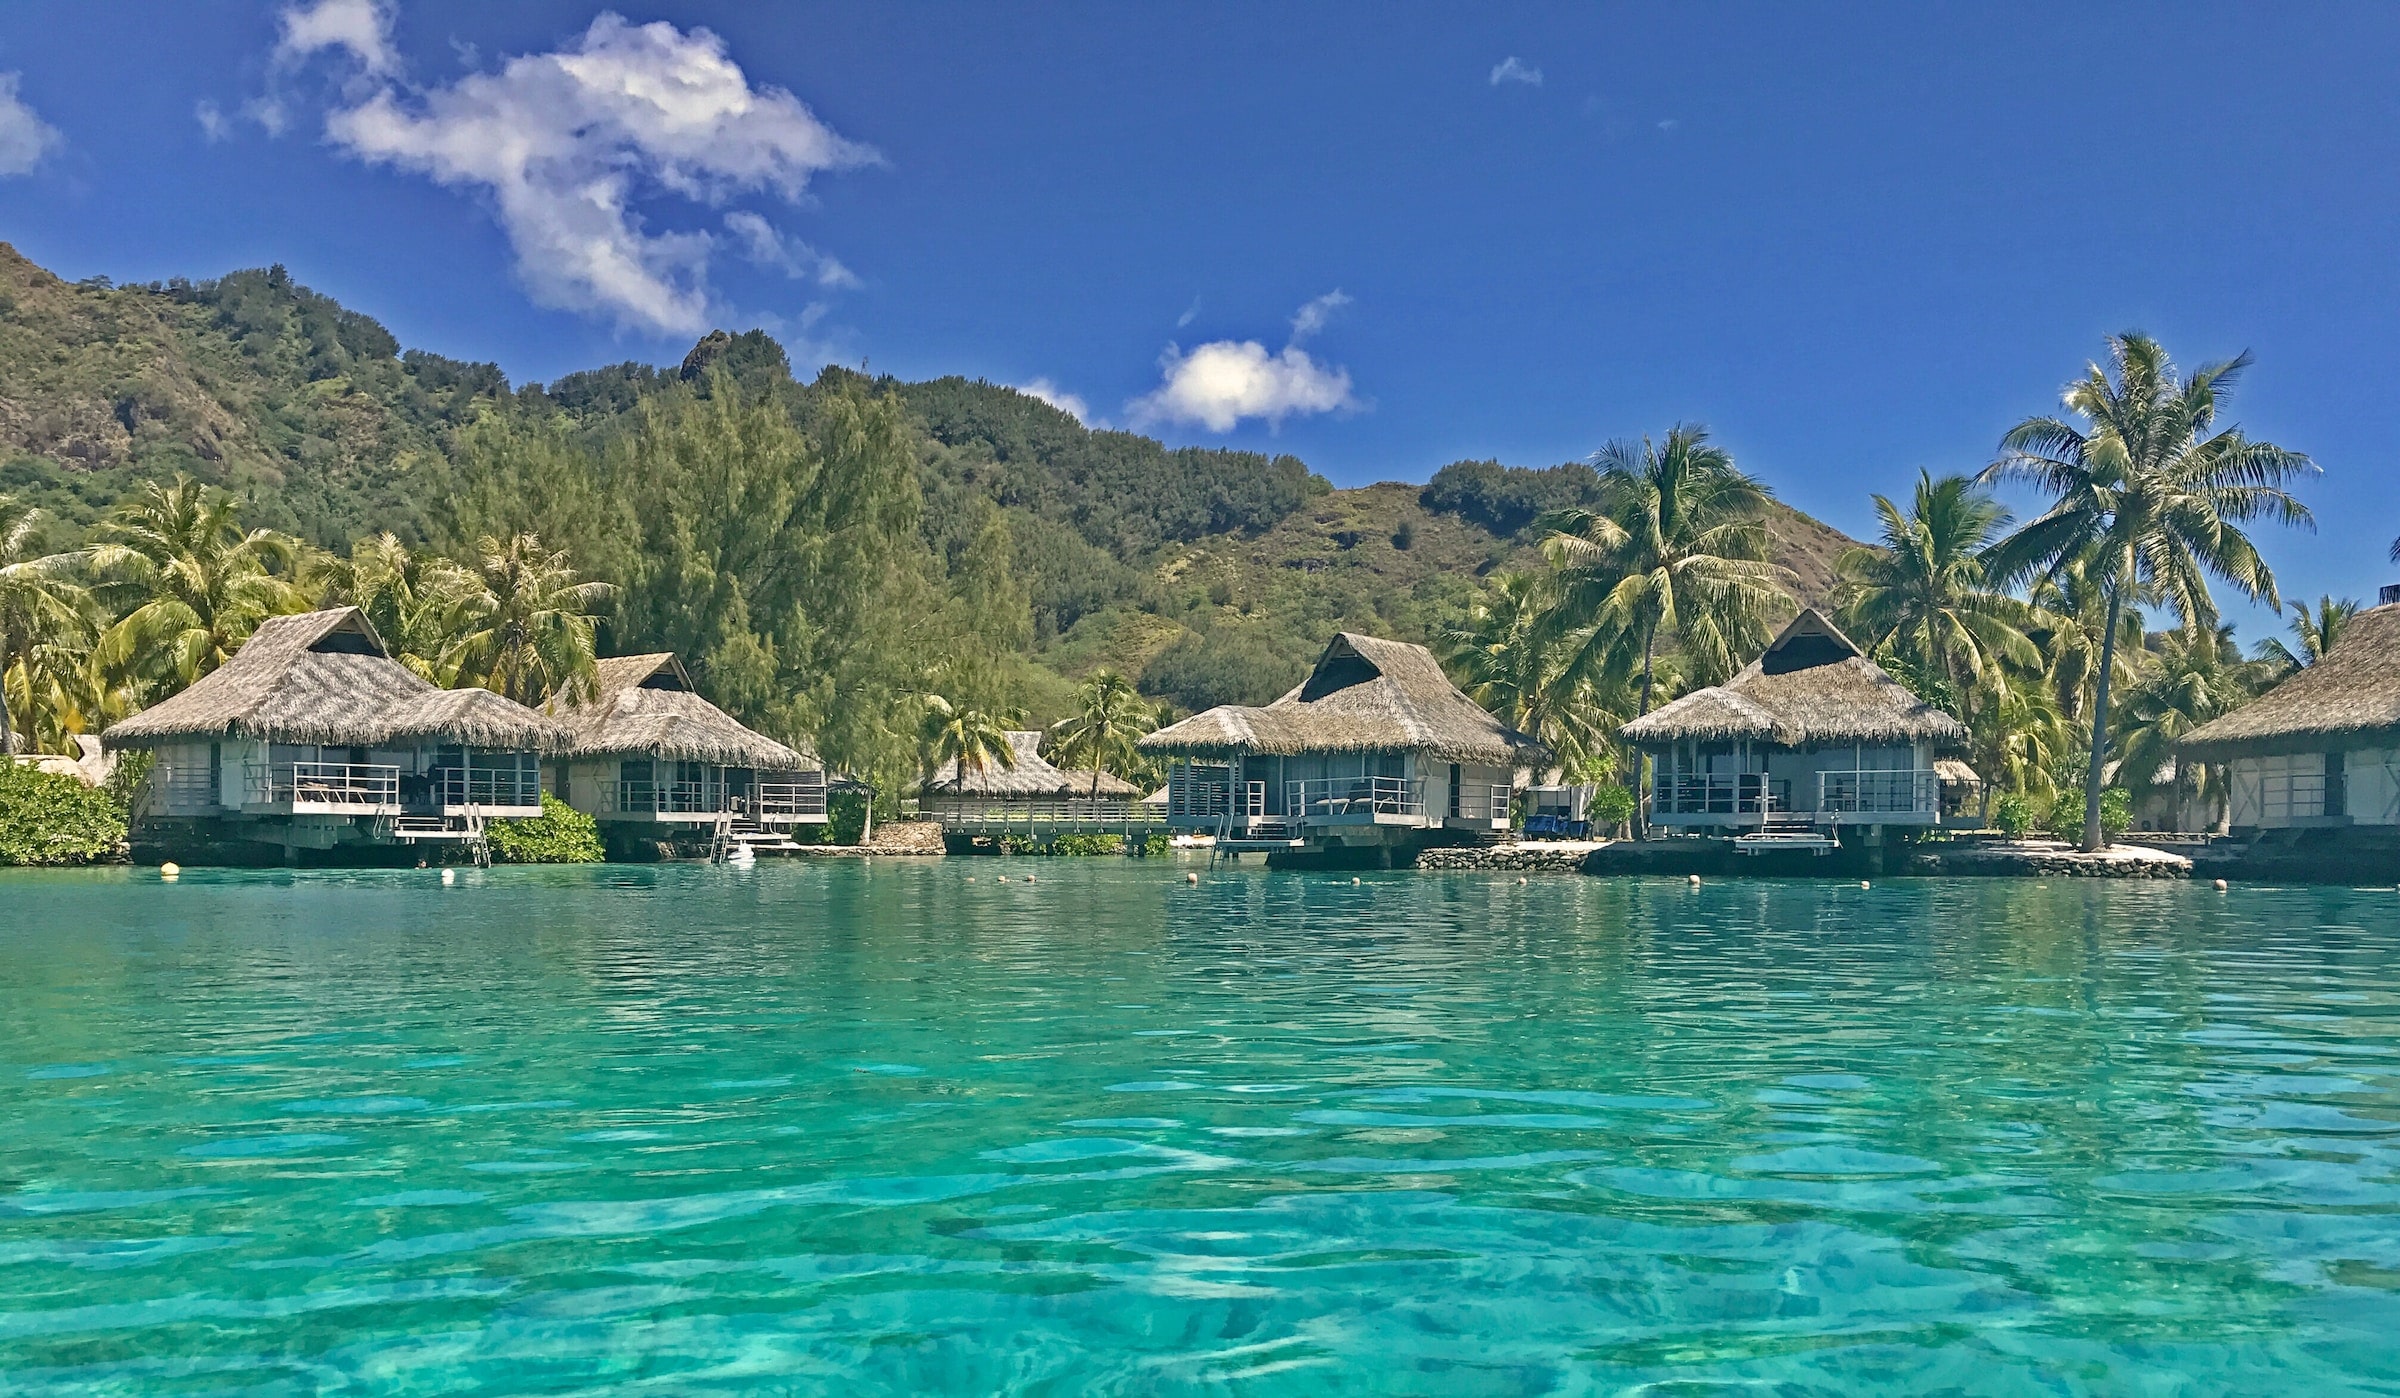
{"x":1211,"y":575}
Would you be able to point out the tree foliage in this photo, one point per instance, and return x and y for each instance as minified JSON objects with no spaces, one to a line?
{"x":559,"y":835}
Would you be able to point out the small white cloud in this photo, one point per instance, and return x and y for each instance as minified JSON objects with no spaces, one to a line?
{"x":24,"y":137}
{"x":564,"y":144}
{"x":360,"y":28}
{"x":762,"y":244}
{"x":1190,"y":314}
{"x":1669,"y":125}
{"x":213,"y":123}
{"x":1514,"y":70}
{"x":1219,"y":384}
{"x":1313,"y":316}
{"x":269,"y":112}
{"x":1069,"y":403}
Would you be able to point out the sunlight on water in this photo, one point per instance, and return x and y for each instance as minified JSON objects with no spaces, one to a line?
{"x":840,"y":1128}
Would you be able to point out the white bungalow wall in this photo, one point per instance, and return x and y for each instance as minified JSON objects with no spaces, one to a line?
{"x":2271,"y":793}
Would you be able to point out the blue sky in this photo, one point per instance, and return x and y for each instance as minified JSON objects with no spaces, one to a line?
{"x":1854,"y":240}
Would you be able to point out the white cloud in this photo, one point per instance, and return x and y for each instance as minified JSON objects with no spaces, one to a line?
{"x":1313,"y":316}
{"x":762,"y":244}
{"x":1669,"y":125}
{"x":1069,"y":403}
{"x":24,"y":137}
{"x":1190,"y":314}
{"x":213,"y":123}
{"x":1219,"y":384}
{"x":361,"y":28}
{"x":1514,"y":70}
{"x":565,"y":143}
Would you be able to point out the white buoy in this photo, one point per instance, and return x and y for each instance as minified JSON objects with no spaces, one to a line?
{"x":169,"y":870}
{"x":1191,"y":878}
{"x":970,"y":878}
{"x":1004,"y":878}
{"x":1862,"y":883}
{"x":1520,"y":880}
{"x":1029,"y":878}
{"x":2220,"y":885}
{"x":1354,"y":881}
{"x":1695,"y":880}
{"x":449,"y":876}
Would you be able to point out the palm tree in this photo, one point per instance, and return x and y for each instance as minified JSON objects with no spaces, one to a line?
{"x":2151,"y":494}
{"x":40,"y":607}
{"x":976,"y":739}
{"x":1924,"y":593}
{"x":1108,"y":717}
{"x":2018,"y":735}
{"x":189,"y":585}
{"x":1678,"y":549}
{"x":415,"y":602}
{"x":2073,"y":635}
{"x":2312,"y":636}
{"x":1509,"y":659}
{"x":2197,"y":675}
{"x":531,"y":623}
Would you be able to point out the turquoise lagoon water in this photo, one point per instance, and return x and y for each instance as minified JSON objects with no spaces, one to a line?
{"x":879,"y":1129}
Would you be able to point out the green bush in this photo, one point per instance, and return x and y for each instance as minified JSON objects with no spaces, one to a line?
{"x":559,"y":835}
{"x":1086,"y":844}
{"x":2116,"y":815}
{"x":1155,"y":846}
{"x":49,"y":819}
{"x":2013,"y":815}
{"x":1612,"y":807}
{"x":2116,"y":812}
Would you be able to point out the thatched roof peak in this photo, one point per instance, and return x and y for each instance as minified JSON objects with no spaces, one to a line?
{"x":1812,"y":685}
{"x":1033,"y":777}
{"x":324,"y":678}
{"x":1366,"y":694}
{"x":645,"y":705}
{"x":2349,"y":698}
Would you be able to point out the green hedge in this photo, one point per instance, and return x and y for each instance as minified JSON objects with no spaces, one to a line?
{"x":50,"y":819}
{"x":559,"y":835}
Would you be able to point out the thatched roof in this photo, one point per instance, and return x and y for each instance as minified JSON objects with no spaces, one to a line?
{"x":1952,"y":772}
{"x":645,"y":705}
{"x":2349,"y":698}
{"x":1365,"y":695}
{"x":1032,"y":778}
{"x":324,"y":678}
{"x":1812,"y":686}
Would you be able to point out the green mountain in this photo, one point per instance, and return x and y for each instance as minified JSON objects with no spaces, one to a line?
{"x":1215,"y":575}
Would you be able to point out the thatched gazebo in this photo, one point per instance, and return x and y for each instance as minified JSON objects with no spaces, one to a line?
{"x":646,"y":749}
{"x":1811,"y":732}
{"x":1031,"y":777}
{"x":2321,"y":749}
{"x":311,"y":719}
{"x":1376,"y":736}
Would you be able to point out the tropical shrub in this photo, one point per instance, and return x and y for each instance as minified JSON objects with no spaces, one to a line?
{"x":1087,"y":844}
{"x":1156,"y":845}
{"x":1612,"y":807}
{"x":559,"y":835}
{"x":49,"y":819}
{"x":2013,"y":815}
{"x":2116,"y":815}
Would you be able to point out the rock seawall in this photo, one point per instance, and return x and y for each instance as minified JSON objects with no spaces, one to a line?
{"x":1563,"y":857}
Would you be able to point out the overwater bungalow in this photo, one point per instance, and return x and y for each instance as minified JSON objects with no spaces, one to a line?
{"x":312,"y":738}
{"x":1811,"y":737}
{"x":2320,"y":751}
{"x":1374,"y":753}
{"x":655,"y":764}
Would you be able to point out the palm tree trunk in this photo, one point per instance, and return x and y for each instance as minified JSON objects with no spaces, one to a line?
{"x":2091,"y":789}
{"x":1641,"y":819}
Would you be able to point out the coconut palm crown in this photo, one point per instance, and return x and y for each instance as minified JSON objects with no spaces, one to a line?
{"x":2151,"y":493}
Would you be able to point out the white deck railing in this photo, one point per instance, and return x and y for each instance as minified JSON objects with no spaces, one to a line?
{"x":1484,"y":801}
{"x":1343,"y":797}
{"x":788,"y":801}
{"x":1690,"y":793}
{"x":343,"y":784}
{"x":487,"y":787}
{"x":1901,"y":792}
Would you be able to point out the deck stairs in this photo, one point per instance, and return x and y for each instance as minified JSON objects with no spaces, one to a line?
{"x":735,"y":833}
{"x":468,"y":831}
{"x":1266,"y":833}
{"x":1786,"y":831}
